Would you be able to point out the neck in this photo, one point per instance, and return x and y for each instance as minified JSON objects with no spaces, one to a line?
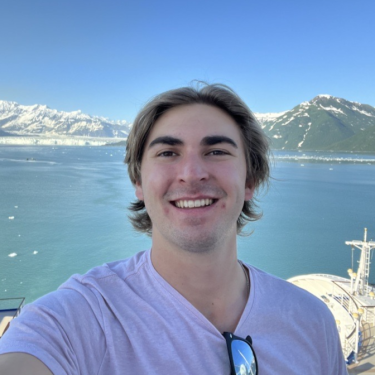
{"x":213,"y":282}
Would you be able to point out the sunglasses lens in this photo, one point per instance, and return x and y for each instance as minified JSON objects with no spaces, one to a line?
{"x":243,"y":358}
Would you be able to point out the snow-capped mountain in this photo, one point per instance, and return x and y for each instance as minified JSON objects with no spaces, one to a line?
{"x":16,"y":119}
{"x":323,"y":123}
{"x":267,"y":118}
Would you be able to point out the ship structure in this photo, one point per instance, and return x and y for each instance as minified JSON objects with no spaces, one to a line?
{"x":351,"y":300}
{"x":10,"y":308}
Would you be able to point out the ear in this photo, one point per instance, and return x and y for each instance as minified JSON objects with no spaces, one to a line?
{"x":249,"y":191}
{"x":139,"y":191}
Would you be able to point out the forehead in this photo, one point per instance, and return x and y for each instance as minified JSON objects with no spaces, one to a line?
{"x":195,"y":120}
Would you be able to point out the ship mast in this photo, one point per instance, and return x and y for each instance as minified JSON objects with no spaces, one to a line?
{"x":363,"y":273}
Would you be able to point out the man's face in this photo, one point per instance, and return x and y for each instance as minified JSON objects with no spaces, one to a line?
{"x":193,"y":178}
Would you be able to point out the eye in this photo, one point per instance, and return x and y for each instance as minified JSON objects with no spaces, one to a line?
{"x":218,"y":152}
{"x":166,"y":154}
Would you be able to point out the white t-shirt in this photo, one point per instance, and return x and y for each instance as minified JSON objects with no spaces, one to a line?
{"x":124,"y":318}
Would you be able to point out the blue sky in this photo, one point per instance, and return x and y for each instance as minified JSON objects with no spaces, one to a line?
{"x":107,"y":58}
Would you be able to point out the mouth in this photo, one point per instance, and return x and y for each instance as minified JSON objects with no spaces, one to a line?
{"x":194,"y":203}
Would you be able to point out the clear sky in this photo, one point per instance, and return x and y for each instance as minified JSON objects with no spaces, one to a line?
{"x":107,"y":58}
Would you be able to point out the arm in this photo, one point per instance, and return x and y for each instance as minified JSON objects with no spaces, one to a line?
{"x":56,"y":333}
{"x":22,"y":364}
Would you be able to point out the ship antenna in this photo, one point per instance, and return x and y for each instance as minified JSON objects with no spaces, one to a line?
{"x":361,"y":278}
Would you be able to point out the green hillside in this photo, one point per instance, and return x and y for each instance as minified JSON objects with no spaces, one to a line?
{"x":324,"y":123}
{"x":361,"y":142}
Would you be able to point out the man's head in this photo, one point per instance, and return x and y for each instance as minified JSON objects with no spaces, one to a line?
{"x":256,"y":146}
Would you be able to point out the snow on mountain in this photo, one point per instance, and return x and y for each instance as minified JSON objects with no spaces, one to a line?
{"x":324,"y":96}
{"x":325,"y":122}
{"x":266,"y":118}
{"x":321,"y":123}
{"x":17,"y":119}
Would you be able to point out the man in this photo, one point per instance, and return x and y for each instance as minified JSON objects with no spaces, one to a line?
{"x":196,"y":157}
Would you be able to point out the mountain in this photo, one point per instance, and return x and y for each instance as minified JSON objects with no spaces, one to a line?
{"x":323,"y":123}
{"x":5,"y":134}
{"x":16,"y":119}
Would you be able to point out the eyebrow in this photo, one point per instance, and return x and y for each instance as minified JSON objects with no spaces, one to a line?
{"x":215,"y":139}
{"x":166,"y":140}
{"x":210,"y":140}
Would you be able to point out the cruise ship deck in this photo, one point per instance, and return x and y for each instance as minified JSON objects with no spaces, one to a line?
{"x":366,"y":355}
{"x":352,"y":303}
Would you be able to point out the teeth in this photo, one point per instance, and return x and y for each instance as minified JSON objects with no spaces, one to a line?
{"x":194,"y":203}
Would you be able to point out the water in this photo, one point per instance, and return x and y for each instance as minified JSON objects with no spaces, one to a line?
{"x":69,"y":207}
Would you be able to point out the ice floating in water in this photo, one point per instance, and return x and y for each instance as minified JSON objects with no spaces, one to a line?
{"x":11,"y":218}
{"x":11,"y":255}
{"x":35,"y":252}
{"x":326,"y":158}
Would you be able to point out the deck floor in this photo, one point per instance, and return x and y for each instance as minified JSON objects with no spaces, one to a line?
{"x":366,"y":357}
{"x":3,"y":314}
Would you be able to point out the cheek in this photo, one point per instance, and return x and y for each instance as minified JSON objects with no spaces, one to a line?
{"x":139,"y":192}
{"x":155,"y":187}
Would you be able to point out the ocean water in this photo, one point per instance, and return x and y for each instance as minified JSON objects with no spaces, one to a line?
{"x":63,"y":210}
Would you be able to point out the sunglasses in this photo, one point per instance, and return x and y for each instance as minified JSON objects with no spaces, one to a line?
{"x":241,"y":354}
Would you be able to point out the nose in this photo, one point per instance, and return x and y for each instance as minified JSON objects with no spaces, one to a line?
{"x":192,"y":168}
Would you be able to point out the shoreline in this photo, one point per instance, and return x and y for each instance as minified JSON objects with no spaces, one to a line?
{"x":57,"y":141}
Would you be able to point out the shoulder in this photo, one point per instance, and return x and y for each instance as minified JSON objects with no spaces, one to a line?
{"x":108,"y":273}
{"x":293,"y":326}
{"x":83,"y":296}
{"x":279,"y":293}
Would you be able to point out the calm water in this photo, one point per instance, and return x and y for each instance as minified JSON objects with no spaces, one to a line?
{"x":69,"y":207}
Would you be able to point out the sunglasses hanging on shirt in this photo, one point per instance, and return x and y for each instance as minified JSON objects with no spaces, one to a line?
{"x":241,"y":355}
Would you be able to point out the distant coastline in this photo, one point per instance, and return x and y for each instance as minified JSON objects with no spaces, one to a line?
{"x":333,"y":157}
{"x":58,"y":141}
{"x":300,"y":156}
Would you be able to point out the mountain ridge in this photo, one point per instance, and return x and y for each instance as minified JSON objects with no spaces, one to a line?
{"x":321,"y":124}
{"x":37,"y":119}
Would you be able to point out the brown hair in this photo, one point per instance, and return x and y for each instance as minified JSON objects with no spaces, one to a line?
{"x":256,"y":143}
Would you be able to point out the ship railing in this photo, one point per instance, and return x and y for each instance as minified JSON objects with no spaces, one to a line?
{"x":369,"y":314}
{"x":343,"y":296}
{"x":349,"y":305}
{"x":343,"y":299}
{"x":10,"y":308}
{"x":348,"y":345}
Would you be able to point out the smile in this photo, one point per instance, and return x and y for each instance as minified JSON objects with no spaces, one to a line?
{"x":193,"y":203}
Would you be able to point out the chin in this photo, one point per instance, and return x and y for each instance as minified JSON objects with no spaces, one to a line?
{"x":198,"y":242}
